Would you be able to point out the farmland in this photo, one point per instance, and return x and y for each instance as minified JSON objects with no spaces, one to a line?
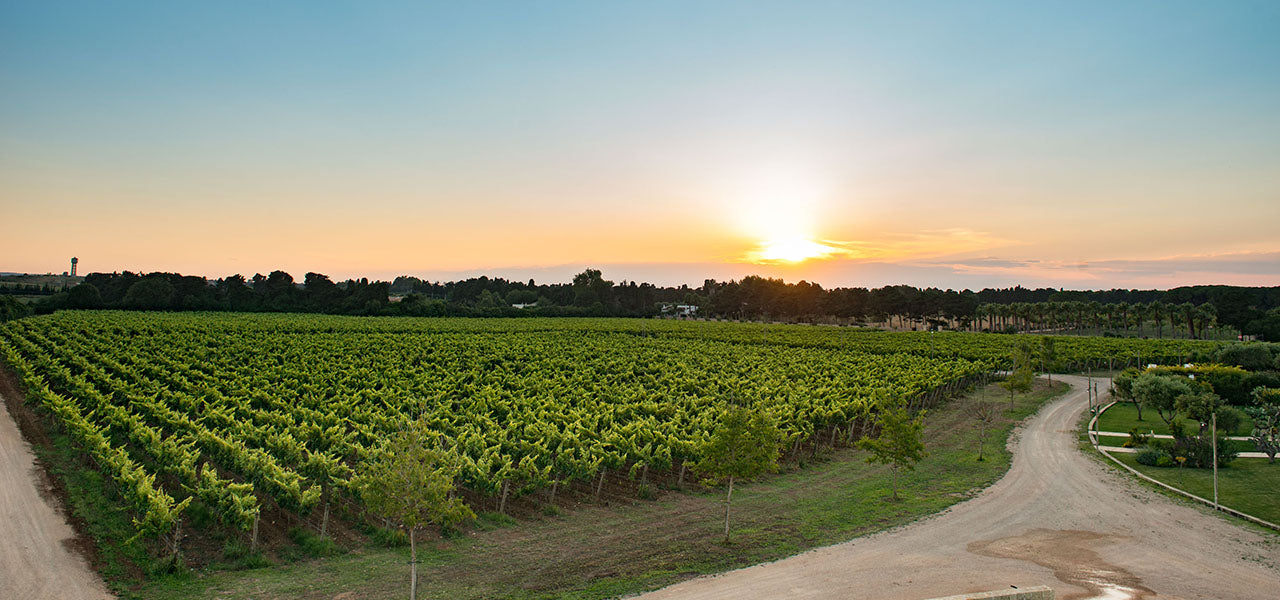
{"x":246,"y":417}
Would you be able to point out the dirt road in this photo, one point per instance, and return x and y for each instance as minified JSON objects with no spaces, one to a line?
{"x":35,"y":563}
{"x":1057,"y":518}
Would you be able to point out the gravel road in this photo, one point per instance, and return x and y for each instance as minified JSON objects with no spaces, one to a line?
{"x":36,"y":563}
{"x":1057,"y":518}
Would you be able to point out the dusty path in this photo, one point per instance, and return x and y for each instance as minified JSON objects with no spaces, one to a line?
{"x":1057,"y":518}
{"x":35,"y":564}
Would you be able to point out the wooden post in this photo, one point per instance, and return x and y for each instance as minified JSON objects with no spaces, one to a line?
{"x":1214,"y":434}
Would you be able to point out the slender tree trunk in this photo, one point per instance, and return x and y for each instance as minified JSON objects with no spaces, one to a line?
{"x":502,"y":504}
{"x":680,"y":481}
{"x":982,"y":438}
{"x":895,"y":481}
{"x":413,"y":565}
{"x":599,"y":484}
{"x":177,"y":539}
{"x":324,"y":521}
{"x":254,"y":542}
{"x":727,"y":498}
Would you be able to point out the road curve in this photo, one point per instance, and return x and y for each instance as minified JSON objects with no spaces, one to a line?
{"x":35,"y":563}
{"x":1057,"y":518}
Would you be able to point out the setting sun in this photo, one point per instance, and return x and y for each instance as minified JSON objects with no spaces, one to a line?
{"x":791,"y":250}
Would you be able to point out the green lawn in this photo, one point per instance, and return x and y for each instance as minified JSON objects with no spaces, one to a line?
{"x":1238,"y":445}
{"x":1248,"y":485}
{"x":1123,"y":416}
{"x":599,"y":552}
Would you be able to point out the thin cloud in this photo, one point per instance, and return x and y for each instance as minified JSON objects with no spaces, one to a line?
{"x":888,"y":247}
{"x":1228,"y":266}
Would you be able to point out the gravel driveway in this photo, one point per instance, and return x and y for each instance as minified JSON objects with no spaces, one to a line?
{"x":1057,"y":518}
{"x":35,"y":560}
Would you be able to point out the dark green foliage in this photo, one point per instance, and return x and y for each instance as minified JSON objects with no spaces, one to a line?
{"x":84,"y":296}
{"x":1266,"y":422}
{"x":1136,"y":438}
{"x":1253,"y":356}
{"x":312,"y":545}
{"x":150,"y":293}
{"x":1265,"y":396}
{"x":1123,"y":384}
{"x":1267,"y":379}
{"x":241,"y":556}
{"x":1192,"y":451}
{"x":1161,"y":393}
{"x":1150,"y":457}
{"x":388,"y":538}
{"x":10,"y":309}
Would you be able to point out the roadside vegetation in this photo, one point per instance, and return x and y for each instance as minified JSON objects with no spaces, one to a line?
{"x":1196,"y":408}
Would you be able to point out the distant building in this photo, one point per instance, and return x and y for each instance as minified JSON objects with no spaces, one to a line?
{"x":74,"y":260}
{"x":680,"y":310}
{"x":525,"y":305}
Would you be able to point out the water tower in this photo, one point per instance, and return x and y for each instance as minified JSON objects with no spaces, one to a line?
{"x":74,"y":260}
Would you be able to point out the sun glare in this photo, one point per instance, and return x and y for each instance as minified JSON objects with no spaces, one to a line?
{"x":792,"y":250}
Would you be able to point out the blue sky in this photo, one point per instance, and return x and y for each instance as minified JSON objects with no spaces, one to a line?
{"x":371,"y":138}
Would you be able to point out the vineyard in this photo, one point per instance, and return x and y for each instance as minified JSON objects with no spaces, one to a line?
{"x":253,"y":415}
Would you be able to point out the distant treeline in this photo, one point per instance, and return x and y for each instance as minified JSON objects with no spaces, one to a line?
{"x":28,"y":289}
{"x":1251,"y":310}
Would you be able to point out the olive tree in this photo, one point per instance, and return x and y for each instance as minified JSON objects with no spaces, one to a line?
{"x":1161,"y":393}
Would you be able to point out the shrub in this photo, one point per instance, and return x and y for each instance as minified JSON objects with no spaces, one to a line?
{"x":1151,"y":458}
{"x":1198,"y":451}
{"x":313,"y":545}
{"x":1229,"y":421}
{"x":1136,"y":438}
{"x":389,"y":538}
{"x":1254,"y":357}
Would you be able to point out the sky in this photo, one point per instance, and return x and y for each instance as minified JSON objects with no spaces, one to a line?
{"x":1082,"y":145}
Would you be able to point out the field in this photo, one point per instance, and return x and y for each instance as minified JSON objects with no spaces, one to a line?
{"x":246,"y":428}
